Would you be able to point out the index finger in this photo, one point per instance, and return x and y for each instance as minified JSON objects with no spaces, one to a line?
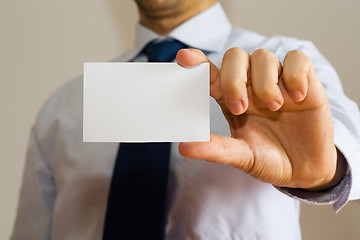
{"x":192,"y":57}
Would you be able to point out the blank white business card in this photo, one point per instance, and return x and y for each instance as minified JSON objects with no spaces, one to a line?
{"x":145,"y":102}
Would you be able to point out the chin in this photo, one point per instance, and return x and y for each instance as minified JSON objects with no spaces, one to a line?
{"x":157,"y":5}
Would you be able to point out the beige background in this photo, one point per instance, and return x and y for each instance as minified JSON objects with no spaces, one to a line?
{"x":44,"y":43}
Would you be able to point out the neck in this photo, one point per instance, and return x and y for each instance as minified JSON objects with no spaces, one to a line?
{"x":164,"y":21}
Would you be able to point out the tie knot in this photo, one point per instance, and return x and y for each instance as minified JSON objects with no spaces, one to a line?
{"x":164,"y":51}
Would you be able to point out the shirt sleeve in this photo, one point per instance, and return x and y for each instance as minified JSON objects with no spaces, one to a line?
{"x":346,"y":119}
{"x":37,"y":195}
{"x":337,"y":195}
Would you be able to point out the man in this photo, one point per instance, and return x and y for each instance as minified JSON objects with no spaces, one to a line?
{"x":290,"y":126}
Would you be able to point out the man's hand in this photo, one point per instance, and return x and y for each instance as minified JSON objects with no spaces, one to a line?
{"x":279,"y":118}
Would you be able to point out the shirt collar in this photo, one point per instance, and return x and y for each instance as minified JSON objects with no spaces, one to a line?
{"x":207,"y":31}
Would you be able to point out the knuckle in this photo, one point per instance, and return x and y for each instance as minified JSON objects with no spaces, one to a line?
{"x":247,"y":166}
{"x":263,"y":55}
{"x":232,"y":89}
{"x":265,"y":93}
{"x":307,"y":62}
{"x":297,"y":54}
{"x":230,"y":83}
{"x":296,"y":67}
{"x":292,"y":77}
{"x":294,"y":53}
{"x":235,"y":50}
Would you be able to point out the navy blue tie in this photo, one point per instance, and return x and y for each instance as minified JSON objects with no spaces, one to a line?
{"x":164,"y":51}
{"x":137,"y":199}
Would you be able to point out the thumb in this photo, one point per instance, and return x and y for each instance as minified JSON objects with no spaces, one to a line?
{"x":220,"y":149}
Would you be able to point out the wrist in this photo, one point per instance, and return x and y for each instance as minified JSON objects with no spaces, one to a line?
{"x":341,"y":165}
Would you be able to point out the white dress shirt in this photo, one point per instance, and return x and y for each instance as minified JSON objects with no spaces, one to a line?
{"x":66,"y":181}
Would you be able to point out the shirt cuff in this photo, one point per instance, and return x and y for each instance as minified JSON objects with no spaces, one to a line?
{"x":337,"y":195}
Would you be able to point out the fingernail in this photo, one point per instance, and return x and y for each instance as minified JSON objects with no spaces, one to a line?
{"x":235,"y":106}
{"x":193,"y":66}
{"x":297,"y":96}
{"x":273,"y":106}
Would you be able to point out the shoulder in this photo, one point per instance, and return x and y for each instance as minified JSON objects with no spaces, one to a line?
{"x":63,"y":106}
